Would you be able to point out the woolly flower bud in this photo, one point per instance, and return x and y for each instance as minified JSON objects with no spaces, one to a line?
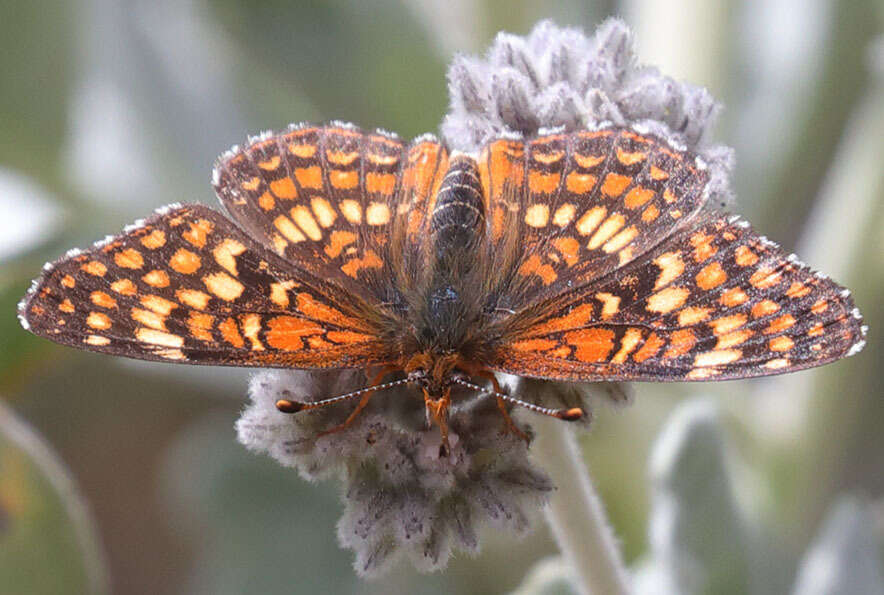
{"x":558,"y":78}
{"x":401,"y":496}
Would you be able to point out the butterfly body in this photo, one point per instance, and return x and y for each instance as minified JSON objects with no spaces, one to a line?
{"x":586,"y":256}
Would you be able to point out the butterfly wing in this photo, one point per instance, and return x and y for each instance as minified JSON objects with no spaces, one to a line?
{"x":189,"y":286}
{"x":342,"y":204}
{"x":715,"y":301}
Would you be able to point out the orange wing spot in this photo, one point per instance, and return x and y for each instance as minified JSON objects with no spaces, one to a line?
{"x":592,"y":345}
{"x":711,"y":276}
{"x":577,"y":317}
{"x":338,"y":241}
{"x":155,"y":239}
{"x":129,"y":259}
{"x":650,"y":214}
{"x":224,"y":286}
{"x":627,"y":158}
{"x":251,"y":184}
{"x":717,"y":357}
{"x":534,"y":266}
{"x":615,"y":184}
{"x":590,"y":220}
{"x":344,"y":180}
{"x":781,"y":343}
{"x":680,"y":343}
{"x":569,"y":248}
{"x":651,"y":347}
{"x":230,"y":333}
{"x":352,"y":211}
{"x":658,"y":174}
{"x":671,"y":267}
{"x":285,"y":188}
{"x":547,"y":158}
{"x":816,"y":330}
{"x":68,"y":281}
{"x":380,"y":183}
{"x":744,"y":256}
{"x":637,"y":197}
{"x":798,"y":290}
{"x":156,"y":278}
{"x":693,"y":315}
{"x":631,"y":338}
{"x":675,"y":213}
{"x":98,"y":321}
{"x":703,"y":247}
{"x":369,"y":261}
{"x":266,"y":201}
{"x":93,"y":267}
{"x":311,"y":308}
{"x":620,"y":240}
{"x":610,"y":304}
{"x":580,"y":183}
{"x":733,"y":297}
{"x":279,"y":293}
{"x":285,"y":332}
{"x":185,"y":262}
{"x":764,"y":308}
{"x":345,"y":337}
{"x":780,"y":324}
{"x":377,"y":213}
{"x":270,"y":164}
{"x":302,"y":151}
{"x":200,"y":326}
{"x":587,"y":161}
{"x":537,"y":215}
{"x":564,"y":215}
{"x":534,"y":345}
{"x":288,"y":229}
{"x":124,"y":287}
{"x":819,"y":307}
{"x":193,"y":298}
{"x":156,"y":337}
{"x":198,"y":232}
{"x":304,"y":218}
{"x":251,"y":326}
{"x":66,"y":306}
{"x":226,"y":252}
{"x":96,"y":340}
{"x":543,"y":183}
{"x":765,"y":278}
{"x":733,"y":338}
{"x":318,"y":343}
{"x":309,"y":177}
{"x":100,"y":298}
{"x":667,"y":300}
{"x":158,"y":304}
{"x":726,"y":324}
{"x":608,"y":228}
{"x":341,"y":158}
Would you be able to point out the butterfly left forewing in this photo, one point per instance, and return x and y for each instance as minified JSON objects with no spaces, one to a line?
{"x":188,"y":286}
{"x":714,"y":302}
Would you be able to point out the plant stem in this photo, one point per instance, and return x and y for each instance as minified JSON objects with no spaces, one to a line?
{"x":575,"y":513}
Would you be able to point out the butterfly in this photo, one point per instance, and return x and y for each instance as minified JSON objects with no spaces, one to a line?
{"x":585,"y":256}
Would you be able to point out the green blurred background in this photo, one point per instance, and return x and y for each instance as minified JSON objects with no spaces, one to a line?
{"x":110,"y":109}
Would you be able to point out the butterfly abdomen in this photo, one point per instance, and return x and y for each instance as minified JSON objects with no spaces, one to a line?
{"x":458,"y":216}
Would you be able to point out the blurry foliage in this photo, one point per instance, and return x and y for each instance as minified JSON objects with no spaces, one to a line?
{"x":179,"y":505}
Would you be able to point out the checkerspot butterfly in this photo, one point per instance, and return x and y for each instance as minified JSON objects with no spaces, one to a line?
{"x":585,"y":256}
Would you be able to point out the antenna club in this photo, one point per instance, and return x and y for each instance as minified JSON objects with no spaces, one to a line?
{"x":572,"y":414}
{"x":286,"y":406}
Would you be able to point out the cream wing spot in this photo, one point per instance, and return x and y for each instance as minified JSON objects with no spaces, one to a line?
{"x":224,"y":286}
{"x":288,"y":229}
{"x":155,"y":337}
{"x":226,"y":252}
{"x":377,"y":213}
{"x":537,"y":215}
{"x":590,"y":220}
{"x":304,"y":218}
{"x":351,"y":210}
{"x":564,"y":215}
{"x":323,"y":210}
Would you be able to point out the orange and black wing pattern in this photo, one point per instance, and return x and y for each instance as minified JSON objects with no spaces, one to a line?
{"x":567,"y":209}
{"x":188,"y":286}
{"x":713,"y":302}
{"x":335,"y":201}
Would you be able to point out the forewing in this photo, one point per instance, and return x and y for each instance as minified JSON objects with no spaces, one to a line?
{"x":335,"y":201}
{"x":188,"y":286}
{"x":714,"y":302}
{"x":567,"y":209}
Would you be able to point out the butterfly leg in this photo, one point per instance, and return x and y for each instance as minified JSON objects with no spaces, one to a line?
{"x":509,"y":424}
{"x":363,"y":402}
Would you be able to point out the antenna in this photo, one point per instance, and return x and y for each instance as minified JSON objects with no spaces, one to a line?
{"x":572,"y":414}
